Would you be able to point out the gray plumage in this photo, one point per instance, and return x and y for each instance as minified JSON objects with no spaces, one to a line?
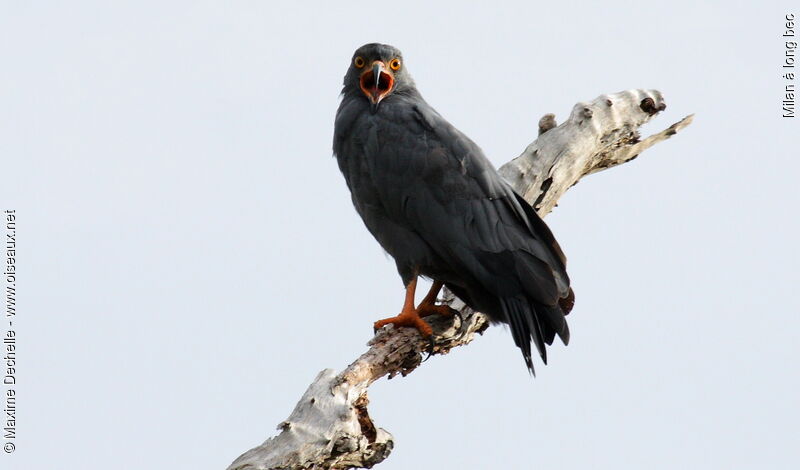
{"x":438,"y":207}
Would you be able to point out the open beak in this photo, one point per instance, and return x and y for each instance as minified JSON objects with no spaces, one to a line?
{"x":377,"y":82}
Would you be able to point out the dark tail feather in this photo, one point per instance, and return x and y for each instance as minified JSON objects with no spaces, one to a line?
{"x":525,"y":327}
{"x":536,"y":323}
{"x":553,"y":322}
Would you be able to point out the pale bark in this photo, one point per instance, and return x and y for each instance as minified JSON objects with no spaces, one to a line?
{"x":330,"y":427}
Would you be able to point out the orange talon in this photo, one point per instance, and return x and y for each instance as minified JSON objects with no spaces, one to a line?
{"x":407,"y":319}
{"x":428,"y":305}
{"x":411,"y":316}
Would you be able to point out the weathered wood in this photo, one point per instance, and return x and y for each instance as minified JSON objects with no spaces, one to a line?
{"x":330,"y":427}
{"x":597,"y":135}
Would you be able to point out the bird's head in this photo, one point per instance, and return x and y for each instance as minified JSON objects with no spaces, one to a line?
{"x":376,"y":71}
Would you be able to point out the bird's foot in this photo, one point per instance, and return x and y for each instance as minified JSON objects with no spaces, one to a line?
{"x":407,"y":318}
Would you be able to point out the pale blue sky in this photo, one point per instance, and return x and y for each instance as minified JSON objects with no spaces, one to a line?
{"x":187,"y":245}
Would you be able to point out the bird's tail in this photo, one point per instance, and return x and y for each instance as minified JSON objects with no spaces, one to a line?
{"x":533,"y":322}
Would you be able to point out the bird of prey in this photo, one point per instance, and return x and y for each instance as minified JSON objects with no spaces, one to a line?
{"x":436,"y":204}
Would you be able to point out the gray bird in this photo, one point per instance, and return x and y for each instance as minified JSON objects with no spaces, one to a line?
{"x":436,"y":204}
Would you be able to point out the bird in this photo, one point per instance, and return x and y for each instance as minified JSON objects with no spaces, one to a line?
{"x":435,"y":203}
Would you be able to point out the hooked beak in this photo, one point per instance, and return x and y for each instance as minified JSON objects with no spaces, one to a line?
{"x":376,"y":82}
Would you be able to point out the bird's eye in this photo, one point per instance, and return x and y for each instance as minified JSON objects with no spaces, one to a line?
{"x":359,"y":62}
{"x":395,"y":64}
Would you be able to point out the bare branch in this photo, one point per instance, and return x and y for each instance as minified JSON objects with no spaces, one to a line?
{"x":330,"y":427}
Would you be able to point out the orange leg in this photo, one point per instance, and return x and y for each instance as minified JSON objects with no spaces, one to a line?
{"x":408,"y":316}
{"x":428,"y":305}
{"x":411,"y":316}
